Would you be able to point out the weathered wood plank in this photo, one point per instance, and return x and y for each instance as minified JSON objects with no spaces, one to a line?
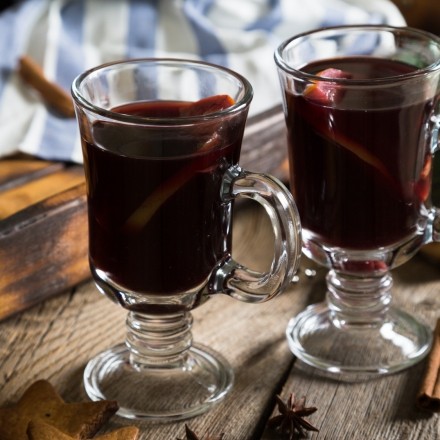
{"x":29,"y":193}
{"x":265,"y":144}
{"x":55,"y":339}
{"x":43,"y":250}
{"x":422,"y":14}
{"x":19,"y":169}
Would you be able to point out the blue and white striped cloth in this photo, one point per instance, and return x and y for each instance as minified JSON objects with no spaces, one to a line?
{"x":67,"y":37}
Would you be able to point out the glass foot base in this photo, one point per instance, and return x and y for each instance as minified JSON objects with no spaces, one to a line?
{"x":160,"y":394}
{"x":357,"y":352}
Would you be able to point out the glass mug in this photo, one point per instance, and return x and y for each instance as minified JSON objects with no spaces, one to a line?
{"x":161,"y":142}
{"x":362,"y":114}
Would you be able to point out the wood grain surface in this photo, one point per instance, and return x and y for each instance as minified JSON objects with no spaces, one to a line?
{"x":43,"y":250}
{"x":423,"y":14}
{"x":55,"y":338}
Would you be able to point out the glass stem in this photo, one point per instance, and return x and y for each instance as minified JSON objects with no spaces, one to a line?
{"x":158,"y":341}
{"x":358,"y":302}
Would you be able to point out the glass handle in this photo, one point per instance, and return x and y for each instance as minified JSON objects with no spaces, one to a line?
{"x":239,"y":281}
{"x":435,"y":136}
{"x":435,"y":146}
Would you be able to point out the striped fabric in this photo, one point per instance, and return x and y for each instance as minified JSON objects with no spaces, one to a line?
{"x":68,"y":36}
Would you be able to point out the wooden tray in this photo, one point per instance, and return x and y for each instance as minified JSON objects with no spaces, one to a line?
{"x":43,"y":230}
{"x":43,"y":216}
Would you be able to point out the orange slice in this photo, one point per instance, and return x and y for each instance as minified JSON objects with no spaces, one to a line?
{"x":327,"y":93}
{"x":423,"y":184}
{"x":141,"y":216}
{"x":210,"y":104}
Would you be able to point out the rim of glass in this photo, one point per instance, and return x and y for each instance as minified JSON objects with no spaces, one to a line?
{"x":281,"y":63}
{"x":237,"y":107}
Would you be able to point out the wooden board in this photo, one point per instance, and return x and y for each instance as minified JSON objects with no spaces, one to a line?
{"x":423,"y":14}
{"x":56,"y":338}
{"x":43,"y":216}
{"x":43,"y":230}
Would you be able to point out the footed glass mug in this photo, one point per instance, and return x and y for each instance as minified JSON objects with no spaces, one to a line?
{"x":161,"y":141}
{"x":362,"y":115}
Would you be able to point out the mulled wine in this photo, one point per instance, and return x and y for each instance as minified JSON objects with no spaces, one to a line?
{"x":359,"y":161}
{"x":155,"y":216}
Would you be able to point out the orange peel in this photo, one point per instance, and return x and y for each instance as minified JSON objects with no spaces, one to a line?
{"x":142,"y":215}
{"x":328,"y":93}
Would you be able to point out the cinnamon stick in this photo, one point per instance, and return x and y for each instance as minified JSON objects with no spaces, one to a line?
{"x":52,"y":93}
{"x":429,"y":394}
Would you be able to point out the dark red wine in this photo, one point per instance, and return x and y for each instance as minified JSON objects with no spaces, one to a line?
{"x":157,"y":224}
{"x":360,"y":166}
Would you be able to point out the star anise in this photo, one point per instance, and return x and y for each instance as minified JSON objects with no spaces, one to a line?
{"x":291,"y":418}
{"x":191,"y":435}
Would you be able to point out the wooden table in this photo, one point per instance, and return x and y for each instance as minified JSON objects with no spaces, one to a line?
{"x":54,"y":340}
